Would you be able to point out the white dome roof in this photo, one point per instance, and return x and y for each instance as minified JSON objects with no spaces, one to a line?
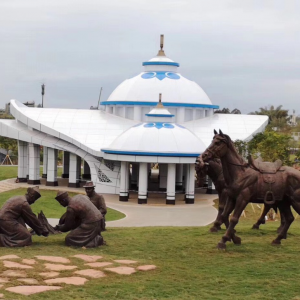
{"x":160,"y":76}
{"x":157,"y":138}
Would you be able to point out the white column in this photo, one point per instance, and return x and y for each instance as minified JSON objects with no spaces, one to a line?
{"x":45,"y":162}
{"x":190,"y":184}
{"x":22,"y":161}
{"x":73,"y":174}
{"x":86,"y":171}
{"x":143,"y":183}
{"x":124,"y":179}
{"x":211,"y":189}
{"x":210,"y":112}
{"x":180,"y":115}
{"x":163,"y":171}
{"x":34,"y":164}
{"x":134,"y":175}
{"x":52,"y":167}
{"x":66,"y":165}
{"x":137,"y":113}
{"x":171,"y":184}
{"x":179,"y":177}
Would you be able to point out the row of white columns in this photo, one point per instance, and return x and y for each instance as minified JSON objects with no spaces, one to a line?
{"x":170,"y":178}
{"x":29,"y":165}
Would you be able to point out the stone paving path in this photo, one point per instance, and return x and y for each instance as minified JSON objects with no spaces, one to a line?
{"x":41,"y":283}
{"x":155,"y":213}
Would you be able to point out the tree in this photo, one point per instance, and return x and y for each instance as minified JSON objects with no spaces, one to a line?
{"x":278,"y":117}
{"x":241,"y":147}
{"x":9,"y":145}
{"x":271,"y":146}
{"x":226,"y":110}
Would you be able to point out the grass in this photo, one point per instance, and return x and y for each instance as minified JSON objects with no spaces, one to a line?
{"x":189,"y":265}
{"x":7,"y":172}
{"x":50,"y":207}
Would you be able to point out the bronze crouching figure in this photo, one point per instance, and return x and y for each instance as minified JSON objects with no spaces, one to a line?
{"x":14,"y":214}
{"x":82,"y":219}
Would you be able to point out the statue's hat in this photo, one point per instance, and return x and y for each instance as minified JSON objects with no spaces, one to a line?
{"x":89,"y":184}
{"x":34,"y":190}
{"x":61,"y":195}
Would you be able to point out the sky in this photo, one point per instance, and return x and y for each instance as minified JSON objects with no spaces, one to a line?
{"x":244,"y":54}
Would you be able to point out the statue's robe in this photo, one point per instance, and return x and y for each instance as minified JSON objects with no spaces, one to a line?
{"x":15,"y":212}
{"x":99,"y":202}
{"x":84,"y":221}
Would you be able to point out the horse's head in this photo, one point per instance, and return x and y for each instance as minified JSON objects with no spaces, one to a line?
{"x":218,"y":146}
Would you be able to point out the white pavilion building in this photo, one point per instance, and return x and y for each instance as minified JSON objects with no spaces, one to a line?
{"x":134,"y":128}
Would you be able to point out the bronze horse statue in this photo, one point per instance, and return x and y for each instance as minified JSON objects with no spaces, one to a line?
{"x":258,"y":182}
{"x":213,"y":169}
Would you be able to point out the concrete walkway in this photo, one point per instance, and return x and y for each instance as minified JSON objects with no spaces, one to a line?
{"x":155,"y":213}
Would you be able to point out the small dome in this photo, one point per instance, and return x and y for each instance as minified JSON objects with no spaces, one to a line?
{"x":157,"y":139}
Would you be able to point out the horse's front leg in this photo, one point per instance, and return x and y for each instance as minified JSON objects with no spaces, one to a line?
{"x":240,"y":205}
{"x":262,"y":219}
{"x":219,"y":220}
{"x":285,"y":210}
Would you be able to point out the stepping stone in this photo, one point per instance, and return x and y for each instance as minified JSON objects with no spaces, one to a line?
{"x":56,"y":259}
{"x":49,"y":274}
{"x":28,"y":280}
{"x":29,"y":289}
{"x":125,"y":261}
{"x":28,"y":261}
{"x":90,"y":273}
{"x":88,"y":258}
{"x":12,"y":264}
{"x":122,"y":270}
{"x":146,"y":267}
{"x":56,"y":267}
{"x":14,"y":273}
{"x":4,"y":280}
{"x":67,"y":280}
{"x":98,"y":264}
{"x":11,"y":256}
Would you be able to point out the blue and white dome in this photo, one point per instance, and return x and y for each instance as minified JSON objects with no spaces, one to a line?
{"x":157,"y":139}
{"x":160,"y":75}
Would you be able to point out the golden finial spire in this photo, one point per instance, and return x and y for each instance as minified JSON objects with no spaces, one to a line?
{"x":159,"y":104}
{"x":161,"y":52}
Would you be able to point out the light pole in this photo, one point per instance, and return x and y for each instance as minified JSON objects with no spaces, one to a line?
{"x":43,"y":93}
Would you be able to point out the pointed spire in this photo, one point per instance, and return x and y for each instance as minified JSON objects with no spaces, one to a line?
{"x":161,"y":52}
{"x":159,"y":104}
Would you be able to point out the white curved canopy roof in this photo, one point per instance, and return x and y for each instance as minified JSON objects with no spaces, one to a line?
{"x":157,"y":138}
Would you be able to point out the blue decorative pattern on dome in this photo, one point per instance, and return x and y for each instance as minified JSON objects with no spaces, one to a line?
{"x":160,"y":75}
{"x":159,"y":125}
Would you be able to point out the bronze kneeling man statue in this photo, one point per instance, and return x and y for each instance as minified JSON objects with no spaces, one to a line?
{"x":14,"y":213}
{"x":83,"y":219}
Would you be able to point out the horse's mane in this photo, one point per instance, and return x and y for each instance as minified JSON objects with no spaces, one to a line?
{"x":233,"y":149}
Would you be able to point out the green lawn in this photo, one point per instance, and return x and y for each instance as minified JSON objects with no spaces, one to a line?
{"x":7,"y":172}
{"x":189,"y":265}
{"x":50,"y":207}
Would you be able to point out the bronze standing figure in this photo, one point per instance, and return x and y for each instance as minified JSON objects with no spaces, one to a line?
{"x":97,"y":200}
{"x":14,"y":214}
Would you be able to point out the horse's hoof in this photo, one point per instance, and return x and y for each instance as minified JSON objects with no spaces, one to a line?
{"x":236,"y":240}
{"x":276,"y":243}
{"x":221,"y":246}
{"x":213,"y":229}
{"x":255,"y":226}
